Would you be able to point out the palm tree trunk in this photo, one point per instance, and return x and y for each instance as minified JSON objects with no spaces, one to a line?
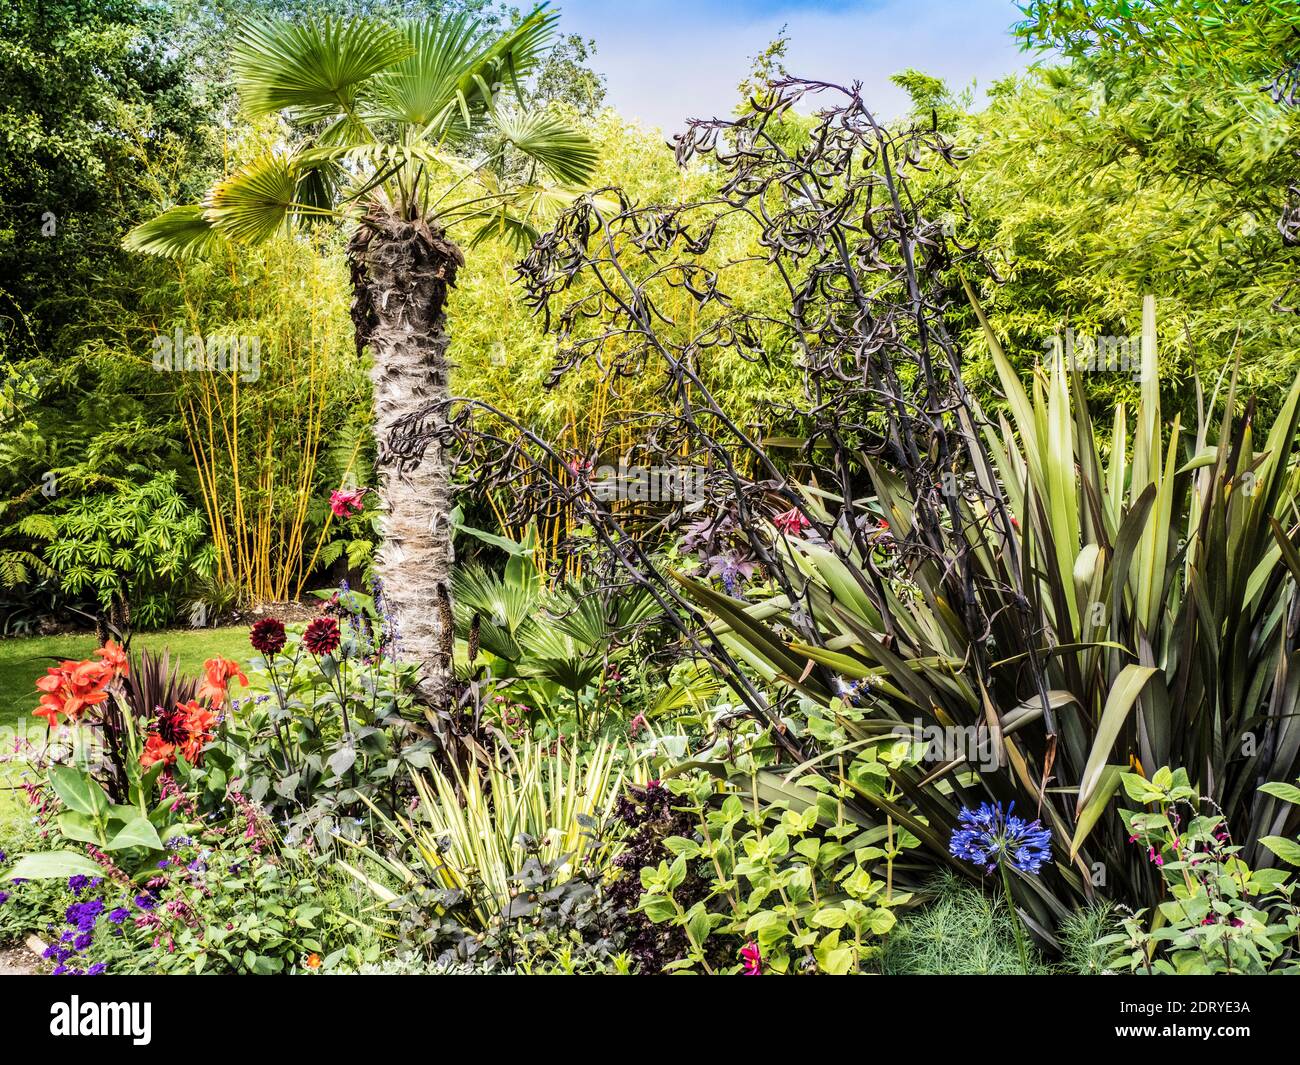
{"x":401,"y":272}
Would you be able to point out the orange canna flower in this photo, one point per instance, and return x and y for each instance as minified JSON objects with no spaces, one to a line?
{"x":114,"y":658}
{"x":198,"y":726}
{"x":217,"y":675}
{"x":70,"y":687}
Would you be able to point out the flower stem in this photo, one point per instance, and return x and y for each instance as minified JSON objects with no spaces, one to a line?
{"x":1016,"y":925}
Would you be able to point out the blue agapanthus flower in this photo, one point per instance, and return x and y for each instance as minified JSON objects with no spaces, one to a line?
{"x":989,"y":837}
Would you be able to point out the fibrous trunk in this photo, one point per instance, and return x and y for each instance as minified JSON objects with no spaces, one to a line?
{"x":402,"y":270}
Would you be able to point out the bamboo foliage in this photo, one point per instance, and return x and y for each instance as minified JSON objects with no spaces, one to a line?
{"x":264,"y":447}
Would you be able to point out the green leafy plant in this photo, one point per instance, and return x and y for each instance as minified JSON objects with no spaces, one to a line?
{"x":560,"y":652}
{"x":796,"y":897}
{"x":1221,"y":916}
{"x":1154,"y":576}
{"x":136,"y":544}
{"x":958,"y":929}
{"x":337,"y":727}
{"x":458,"y":852}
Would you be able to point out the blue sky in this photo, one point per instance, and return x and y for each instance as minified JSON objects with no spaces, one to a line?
{"x":667,"y":60}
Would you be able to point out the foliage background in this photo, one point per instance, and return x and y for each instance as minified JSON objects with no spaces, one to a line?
{"x":1101,"y":174}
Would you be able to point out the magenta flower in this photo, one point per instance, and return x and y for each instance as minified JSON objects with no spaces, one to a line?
{"x":752,"y":958}
{"x":345,"y":502}
{"x":791,"y":522}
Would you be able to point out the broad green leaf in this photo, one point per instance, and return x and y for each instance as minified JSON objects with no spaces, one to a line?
{"x":1096,"y":805}
{"x":1285,"y":792}
{"x":136,"y":833}
{"x":52,"y":865}
{"x":565,"y":152}
{"x":1123,"y":694}
{"x":79,"y":827}
{"x":254,"y":203}
{"x":1286,"y":849}
{"x":78,"y":791}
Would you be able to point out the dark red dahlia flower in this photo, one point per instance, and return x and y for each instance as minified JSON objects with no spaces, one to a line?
{"x":322,"y":636}
{"x":267,"y":636}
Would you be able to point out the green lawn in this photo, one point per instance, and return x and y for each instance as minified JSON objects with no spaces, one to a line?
{"x":22,"y":661}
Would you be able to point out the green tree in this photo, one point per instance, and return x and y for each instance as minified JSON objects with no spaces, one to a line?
{"x":1158,"y":157}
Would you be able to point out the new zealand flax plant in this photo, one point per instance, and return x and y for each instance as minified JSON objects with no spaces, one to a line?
{"x":1159,"y":572}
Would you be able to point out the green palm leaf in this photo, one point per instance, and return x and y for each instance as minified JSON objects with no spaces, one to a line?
{"x":312,"y":69}
{"x":178,"y":233}
{"x":565,"y":153}
{"x":422,"y":89}
{"x":255,"y":203}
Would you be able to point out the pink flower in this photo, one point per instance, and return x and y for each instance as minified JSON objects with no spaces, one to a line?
{"x":345,"y":502}
{"x":791,"y":522}
{"x":752,"y":959}
{"x":636,"y":724}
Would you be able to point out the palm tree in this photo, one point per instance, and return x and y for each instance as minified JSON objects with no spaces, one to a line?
{"x":404,"y":131}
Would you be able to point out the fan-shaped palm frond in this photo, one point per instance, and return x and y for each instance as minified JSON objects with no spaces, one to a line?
{"x":555,"y":655}
{"x":691,"y":687}
{"x":542,"y":135}
{"x":513,"y":55}
{"x":422,"y":89}
{"x":505,"y":607}
{"x":178,"y":233}
{"x":254,"y":203}
{"x":312,"y":69}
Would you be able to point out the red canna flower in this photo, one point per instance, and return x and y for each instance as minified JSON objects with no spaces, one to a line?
{"x":70,"y":687}
{"x":322,"y":636}
{"x":114,"y":659}
{"x":199,"y":724}
{"x":217,"y":675}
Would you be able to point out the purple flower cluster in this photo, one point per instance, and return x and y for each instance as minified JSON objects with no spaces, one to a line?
{"x":82,"y":915}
